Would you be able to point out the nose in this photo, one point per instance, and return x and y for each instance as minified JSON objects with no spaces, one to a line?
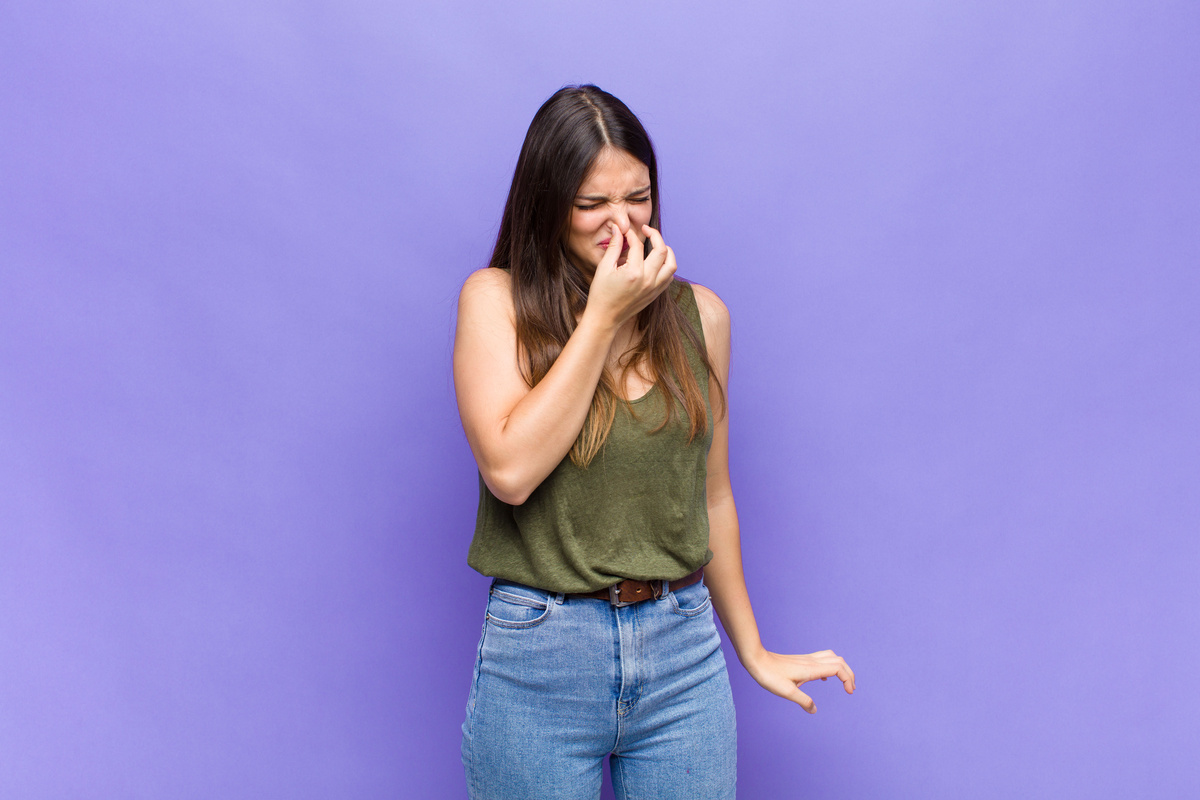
{"x":620,"y":215}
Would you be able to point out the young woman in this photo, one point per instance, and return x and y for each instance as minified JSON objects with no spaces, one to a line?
{"x":590,"y":382}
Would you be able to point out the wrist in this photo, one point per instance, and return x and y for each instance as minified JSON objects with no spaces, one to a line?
{"x":753,"y":658}
{"x":598,"y":323}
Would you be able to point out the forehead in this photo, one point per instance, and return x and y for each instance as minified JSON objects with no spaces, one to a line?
{"x":615,"y":172}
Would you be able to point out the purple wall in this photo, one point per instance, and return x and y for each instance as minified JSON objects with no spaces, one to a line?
{"x":960,"y":246}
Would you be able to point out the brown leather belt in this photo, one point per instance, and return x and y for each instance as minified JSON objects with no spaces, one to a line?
{"x":629,"y":591}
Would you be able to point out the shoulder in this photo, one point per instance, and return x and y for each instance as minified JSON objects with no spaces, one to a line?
{"x":713,"y":313}
{"x":485,"y":305}
{"x":486,"y":288}
{"x":487,"y":281}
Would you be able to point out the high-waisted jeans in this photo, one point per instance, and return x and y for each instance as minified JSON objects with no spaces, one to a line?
{"x":562,"y":682}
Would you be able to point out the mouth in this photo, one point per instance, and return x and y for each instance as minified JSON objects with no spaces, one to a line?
{"x":624,"y":245}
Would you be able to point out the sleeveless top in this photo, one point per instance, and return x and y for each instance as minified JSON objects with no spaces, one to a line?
{"x":638,"y":510}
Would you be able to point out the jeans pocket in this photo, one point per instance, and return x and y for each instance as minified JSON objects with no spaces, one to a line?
{"x":514,"y":606}
{"x":690,"y":601}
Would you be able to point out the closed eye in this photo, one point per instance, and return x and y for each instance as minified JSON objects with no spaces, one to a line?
{"x":593,"y":206}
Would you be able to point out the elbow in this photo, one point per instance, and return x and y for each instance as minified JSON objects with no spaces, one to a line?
{"x":514,"y":497}
{"x":510,"y":477}
{"x":508,"y":487}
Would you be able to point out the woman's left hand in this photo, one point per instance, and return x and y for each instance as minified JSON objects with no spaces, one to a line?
{"x":784,"y":674}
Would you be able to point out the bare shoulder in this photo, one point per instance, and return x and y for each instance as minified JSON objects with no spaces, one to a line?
{"x":485,"y":332}
{"x":488,"y":282}
{"x":486,"y":291}
{"x":714,"y":318}
{"x":713,"y":313}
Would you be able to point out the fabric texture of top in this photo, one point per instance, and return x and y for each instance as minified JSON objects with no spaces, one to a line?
{"x":638,"y":510}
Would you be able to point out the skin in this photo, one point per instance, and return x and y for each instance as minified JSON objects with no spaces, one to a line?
{"x":616,"y":190}
{"x":519,"y":434}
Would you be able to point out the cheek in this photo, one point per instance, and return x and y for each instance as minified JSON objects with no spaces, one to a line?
{"x":642,"y":216}
{"x":583,"y":225}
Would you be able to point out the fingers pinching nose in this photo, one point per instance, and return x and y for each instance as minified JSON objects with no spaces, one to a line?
{"x":654,"y":236}
{"x":631,"y":238}
{"x":615,"y":238}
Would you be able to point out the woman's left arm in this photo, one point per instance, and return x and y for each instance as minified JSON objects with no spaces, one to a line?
{"x":777,"y":673}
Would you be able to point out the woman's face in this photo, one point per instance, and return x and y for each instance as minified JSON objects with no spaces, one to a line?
{"x":617,"y":189}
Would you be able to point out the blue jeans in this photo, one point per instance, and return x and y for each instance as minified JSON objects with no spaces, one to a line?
{"x":561,"y":682}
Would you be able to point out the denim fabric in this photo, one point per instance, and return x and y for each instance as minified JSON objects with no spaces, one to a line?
{"x":560,"y":683}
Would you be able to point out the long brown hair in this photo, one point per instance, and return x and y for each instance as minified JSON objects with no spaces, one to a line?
{"x":549,"y":292}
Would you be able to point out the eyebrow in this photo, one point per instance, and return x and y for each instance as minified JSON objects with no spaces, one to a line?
{"x":596,"y":197}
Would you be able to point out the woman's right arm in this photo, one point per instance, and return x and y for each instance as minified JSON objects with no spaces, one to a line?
{"x":519,"y":434}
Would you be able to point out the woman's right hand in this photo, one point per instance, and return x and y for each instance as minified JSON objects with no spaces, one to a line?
{"x":619,"y":291}
{"x":519,"y":433}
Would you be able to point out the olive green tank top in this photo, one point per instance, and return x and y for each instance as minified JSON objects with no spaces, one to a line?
{"x":638,"y":510}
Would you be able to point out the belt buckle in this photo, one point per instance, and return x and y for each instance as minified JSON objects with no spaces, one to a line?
{"x":614,"y":596}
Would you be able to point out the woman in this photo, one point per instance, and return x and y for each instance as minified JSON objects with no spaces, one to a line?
{"x":590,"y":383}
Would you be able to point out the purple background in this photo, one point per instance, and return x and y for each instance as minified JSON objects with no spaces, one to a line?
{"x":960,"y":244}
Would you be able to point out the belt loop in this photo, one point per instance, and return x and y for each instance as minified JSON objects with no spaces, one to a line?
{"x":558,"y":598}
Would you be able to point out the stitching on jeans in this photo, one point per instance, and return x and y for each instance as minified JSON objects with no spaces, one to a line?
{"x":545,"y":607}
{"x":618,"y":779}
{"x":690,"y":612}
{"x":474,"y":698}
{"x":520,"y":599}
{"x":630,"y":663}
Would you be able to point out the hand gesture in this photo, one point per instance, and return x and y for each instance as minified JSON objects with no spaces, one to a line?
{"x":620,"y":291}
{"x":784,"y":674}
